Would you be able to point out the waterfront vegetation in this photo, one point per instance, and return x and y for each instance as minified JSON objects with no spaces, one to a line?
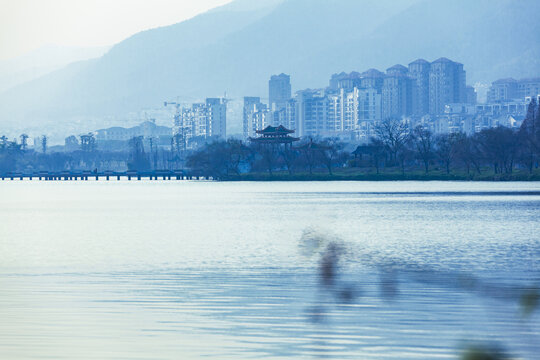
{"x":390,"y":174}
{"x":396,"y":152}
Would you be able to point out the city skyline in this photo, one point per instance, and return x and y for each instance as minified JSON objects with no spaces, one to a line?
{"x":215,"y":52}
{"x":394,"y":94}
{"x":434,"y":94}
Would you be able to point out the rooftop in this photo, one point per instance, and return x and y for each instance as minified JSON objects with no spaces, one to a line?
{"x":419,"y":61}
{"x":505,"y":81}
{"x":372,"y":73}
{"x":397,"y":69}
{"x":275,"y":135}
{"x":537,"y":79}
{"x":273,"y":130}
{"x":444,"y":60}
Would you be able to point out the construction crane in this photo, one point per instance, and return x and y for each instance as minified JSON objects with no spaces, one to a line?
{"x":179,"y":139}
{"x":177,"y":114}
{"x":225,"y":99}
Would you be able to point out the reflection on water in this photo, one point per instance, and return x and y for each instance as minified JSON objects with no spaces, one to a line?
{"x":281,"y":270}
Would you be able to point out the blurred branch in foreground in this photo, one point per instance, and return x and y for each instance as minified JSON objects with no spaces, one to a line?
{"x":331,"y":253}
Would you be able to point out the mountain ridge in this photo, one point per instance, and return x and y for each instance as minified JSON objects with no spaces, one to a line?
{"x":236,"y":49}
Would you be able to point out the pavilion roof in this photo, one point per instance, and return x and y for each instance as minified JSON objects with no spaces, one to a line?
{"x":273,"y":130}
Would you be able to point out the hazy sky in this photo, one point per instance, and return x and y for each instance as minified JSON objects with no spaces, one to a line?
{"x":29,"y":24}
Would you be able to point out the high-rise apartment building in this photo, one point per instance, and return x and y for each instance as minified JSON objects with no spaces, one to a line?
{"x":258,"y":116}
{"x":369,"y":113}
{"x":285,"y":116}
{"x":397,"y":93}
{"x":446,"y":85}
{"x":471,"y":97}
{"x":345,"y":81}
{"x":419,"y":72}
{"x":503,"y":90}
{"x":311,"y":113}
{"x":208,"y":119}
{"x":372,"y":78}
{"x":510,"y":89}
{"x":354,"y":103}
{"x":349,"y":108}
{"x":260,"y":119}
{"x":529,"y":87}
{"x":217,"y":117}
{"x":279,"y":91}
{"x":252,"y":105}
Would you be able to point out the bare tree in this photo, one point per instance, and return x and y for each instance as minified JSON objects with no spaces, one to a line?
{"x":268,"y":155}
{"x":377,"y":153}
{"x":445,"y":149}
{"x":394,"y":135}
{"x":139,"y":160}
{"x":24,"y":142}
{"x":213,"y":159}
{"x":499,"y":147}
{"x":466,"y":150}
{"x":178,"y":143}
{"x":423,"y":141}
{"x":3,"y":142}
{"x":404,"y":154}
{"x":308,"y":154}
{"x":153,"y":152}
{"x":237,"y":153}
{"x":44,"y":141}
{"x":289,"y":156}
{"x":330,"y":152}
{"x":529,"y":136}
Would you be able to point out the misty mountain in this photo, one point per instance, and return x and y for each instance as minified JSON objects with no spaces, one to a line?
{"x":235,"y":48}
{"x":492,"y":38}
{"x":42,"y":61}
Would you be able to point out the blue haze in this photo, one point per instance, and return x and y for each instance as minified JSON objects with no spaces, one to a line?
{"x":236,"y":47}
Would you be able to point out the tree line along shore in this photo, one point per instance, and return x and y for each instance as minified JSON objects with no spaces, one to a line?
{"x":397,"y":152}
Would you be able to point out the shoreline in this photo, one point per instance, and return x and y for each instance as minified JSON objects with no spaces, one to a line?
{"x":521,"y":177}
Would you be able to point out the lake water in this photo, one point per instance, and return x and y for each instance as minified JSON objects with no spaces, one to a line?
{"x":188,"y":270}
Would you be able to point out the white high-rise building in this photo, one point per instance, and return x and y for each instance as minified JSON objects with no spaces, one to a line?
{"x":311,"y":113}
{"x":256,"y":116}
{"x":217,"y":117}
{"x":353,"y":113}
{"x":202,"y":120}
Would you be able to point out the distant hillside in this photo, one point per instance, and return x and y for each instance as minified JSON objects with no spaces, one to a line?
{"x":42,"y":61}
{"x":237,"y":47}
{"x":492,"y":38}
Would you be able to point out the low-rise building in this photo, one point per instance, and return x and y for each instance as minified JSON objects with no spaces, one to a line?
{"x":147,"y":129}
{"x":510,"y":89}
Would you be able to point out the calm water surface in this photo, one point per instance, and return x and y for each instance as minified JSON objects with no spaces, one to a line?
{"x":187,"y":270}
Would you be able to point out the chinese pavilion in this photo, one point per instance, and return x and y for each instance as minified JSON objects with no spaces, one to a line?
{"x":275,"y":135}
